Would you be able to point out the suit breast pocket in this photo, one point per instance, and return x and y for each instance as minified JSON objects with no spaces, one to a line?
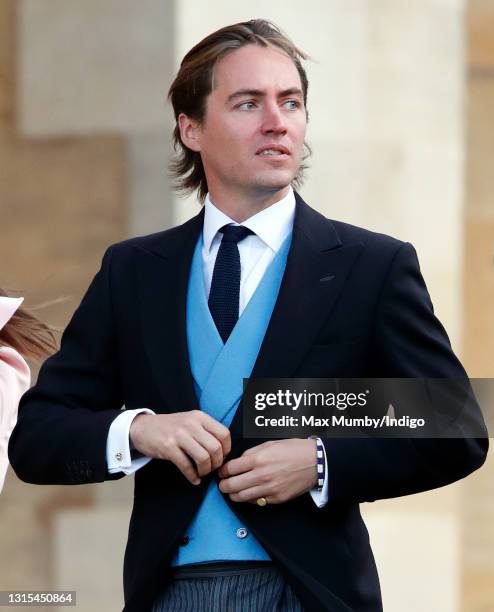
{"x":345,"y":358}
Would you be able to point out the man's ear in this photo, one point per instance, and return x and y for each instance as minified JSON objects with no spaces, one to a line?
{"x":189,"y":132}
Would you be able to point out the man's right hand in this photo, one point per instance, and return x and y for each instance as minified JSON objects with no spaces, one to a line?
{"x":195,"y":442}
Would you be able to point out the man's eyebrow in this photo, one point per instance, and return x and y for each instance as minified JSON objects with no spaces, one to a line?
{"x":258,"y":93}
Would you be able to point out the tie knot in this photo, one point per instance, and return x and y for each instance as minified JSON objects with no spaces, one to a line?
{"x":235,"y":233}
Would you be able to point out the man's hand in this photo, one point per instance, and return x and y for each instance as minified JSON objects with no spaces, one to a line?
{"x":278,"y":470}
{"x":195,"y":442}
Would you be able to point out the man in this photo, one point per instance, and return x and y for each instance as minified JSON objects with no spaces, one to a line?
{"x":221,"y":522}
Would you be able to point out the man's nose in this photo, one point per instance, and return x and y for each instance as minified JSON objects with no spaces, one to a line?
{"x":273,"y":120}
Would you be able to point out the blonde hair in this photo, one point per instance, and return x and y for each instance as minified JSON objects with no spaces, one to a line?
{"x":28,"y":335}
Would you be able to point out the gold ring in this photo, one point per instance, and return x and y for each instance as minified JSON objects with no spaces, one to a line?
{"x":261,"y":501}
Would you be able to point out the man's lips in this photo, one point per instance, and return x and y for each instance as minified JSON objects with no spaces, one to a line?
{"x":273,"y":147}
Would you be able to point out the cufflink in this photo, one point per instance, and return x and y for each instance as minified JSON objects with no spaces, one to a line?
{"x":119,"y":456}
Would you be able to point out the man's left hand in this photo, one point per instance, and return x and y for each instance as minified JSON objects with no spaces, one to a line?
{"x":278,"y":470}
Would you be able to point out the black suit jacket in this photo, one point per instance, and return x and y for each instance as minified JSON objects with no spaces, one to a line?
{"x":126,"y":345}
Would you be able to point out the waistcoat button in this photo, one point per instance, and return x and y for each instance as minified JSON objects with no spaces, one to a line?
{"x":242,"y":533}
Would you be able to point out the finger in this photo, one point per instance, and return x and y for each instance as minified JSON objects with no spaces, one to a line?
{"x":198,"y":454}
{"x":252,"y":494}
{"x":246,"y":461}
{"x":219,"y":431}
{"x":185,"y":465}
{"x":212,"y":446}
{"x":234,"y":484}
{"x":236,"y":466}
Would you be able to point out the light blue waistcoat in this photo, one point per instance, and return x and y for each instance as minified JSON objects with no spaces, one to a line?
{"x":216,"y":534}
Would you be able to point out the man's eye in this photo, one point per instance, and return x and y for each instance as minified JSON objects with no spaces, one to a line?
{"x":247,"y":105}
{"x":292,"y":104}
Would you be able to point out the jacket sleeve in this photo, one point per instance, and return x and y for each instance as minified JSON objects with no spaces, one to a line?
{"x":408,"y":342}
{"x":63,"y":422}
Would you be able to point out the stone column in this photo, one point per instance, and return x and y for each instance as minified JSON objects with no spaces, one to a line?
{"x":478,"y":275}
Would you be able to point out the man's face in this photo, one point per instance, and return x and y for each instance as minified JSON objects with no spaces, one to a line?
{"x":252,"y":135}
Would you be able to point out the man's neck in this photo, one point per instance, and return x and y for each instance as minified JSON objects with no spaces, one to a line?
{"x":240,"y":207}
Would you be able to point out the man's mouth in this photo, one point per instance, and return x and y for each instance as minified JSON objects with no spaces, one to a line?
{"x":270,"y":152}
{"x":273,"y":150}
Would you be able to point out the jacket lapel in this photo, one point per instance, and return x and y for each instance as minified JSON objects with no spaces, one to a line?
{"x":162,"y":269}
{"x":317,"y":267}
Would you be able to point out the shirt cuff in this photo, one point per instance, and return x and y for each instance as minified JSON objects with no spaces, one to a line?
{"x":320,"y":496}
{"x":118,"y":454}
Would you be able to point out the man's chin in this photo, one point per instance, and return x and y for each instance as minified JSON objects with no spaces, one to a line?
{"x":275,"y":182}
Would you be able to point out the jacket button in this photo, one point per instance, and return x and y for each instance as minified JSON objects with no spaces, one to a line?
{"x":242,"y":533}
{"x":184,"y":540}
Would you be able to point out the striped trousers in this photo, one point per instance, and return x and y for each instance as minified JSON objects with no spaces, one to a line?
{"x":228,"y":587}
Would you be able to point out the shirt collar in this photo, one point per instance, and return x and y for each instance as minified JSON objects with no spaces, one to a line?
{"x":272,"y":225}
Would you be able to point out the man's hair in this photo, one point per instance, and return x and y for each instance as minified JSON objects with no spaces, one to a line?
{"x":194,"y":82}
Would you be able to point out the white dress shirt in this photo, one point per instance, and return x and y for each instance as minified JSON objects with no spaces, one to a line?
{"x":271,"y":227}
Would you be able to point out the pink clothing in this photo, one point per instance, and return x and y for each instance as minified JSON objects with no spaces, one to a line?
{"x":15,"y":379}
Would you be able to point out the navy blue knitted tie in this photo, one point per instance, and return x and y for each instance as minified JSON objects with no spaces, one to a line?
{"x":225,"y":285}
